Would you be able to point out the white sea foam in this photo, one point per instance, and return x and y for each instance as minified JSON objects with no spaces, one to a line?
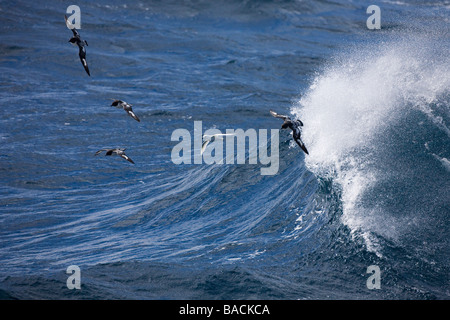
{"x":352,"y":103}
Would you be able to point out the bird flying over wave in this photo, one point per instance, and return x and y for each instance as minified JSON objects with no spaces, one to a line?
{"x":294,"y":126}
{"x":207,"y":139}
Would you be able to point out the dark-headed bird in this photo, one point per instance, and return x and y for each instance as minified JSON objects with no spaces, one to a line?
{"x":76,"y":40}
{"x":125,"y":106}
{"x":117,"y":151}
{"x":294,"y":126}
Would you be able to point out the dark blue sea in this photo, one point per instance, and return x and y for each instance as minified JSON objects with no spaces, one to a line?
{"x":373,"y":191}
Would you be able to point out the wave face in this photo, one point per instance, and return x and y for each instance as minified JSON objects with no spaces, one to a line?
{"x":373,"y":191}
{"x":378,"y":128}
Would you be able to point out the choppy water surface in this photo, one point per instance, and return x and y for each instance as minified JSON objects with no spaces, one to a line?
{"x":373,"y":191}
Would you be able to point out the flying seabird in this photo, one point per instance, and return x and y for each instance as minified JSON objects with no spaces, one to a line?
{"x":294,"y":126}
{"x":76,"y":40}
{"x":126,"y":106}
{"x":118,"y":151}
{"x":207,"y":138}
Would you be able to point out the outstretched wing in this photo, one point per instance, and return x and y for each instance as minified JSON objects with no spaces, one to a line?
{"x":207,"y":138}
{"x":123,"y":155}
{"x":109,"y":152}
{"x":116,"y":103}
{"x":205,"y":143}
{"x":71,"y":26}
{"x":302,"y":145}
{"x":100,"y":151}
{"x":82,"y":54}
{"x":218,"y":135}
{"x":135,"y":117}
{"x":276,"y":115}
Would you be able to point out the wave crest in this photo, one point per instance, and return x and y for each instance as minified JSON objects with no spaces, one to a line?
{"x":359,"y":113}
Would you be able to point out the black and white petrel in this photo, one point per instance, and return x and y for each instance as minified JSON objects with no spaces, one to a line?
{"x":76,"y":40}
{"x":294,"y":126}
{"x":117,"y":151}
{"x":207,"y":139}
{"x":126,"y":106}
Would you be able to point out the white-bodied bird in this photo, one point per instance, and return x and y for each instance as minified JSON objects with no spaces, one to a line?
{"x":207,"y":138}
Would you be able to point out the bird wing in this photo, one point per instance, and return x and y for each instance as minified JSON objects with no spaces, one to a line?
{"x":82,"y":54}
{"x":116,"y":103}
{"x":110,"y":152}
{"x":276,"y":115}
{"x":135,"y":117}
{"x":207,"y":138}
{"x":123,"y":155}
{"x":302,"y":145}
{"x":218,"y":135}
{"x":71,"y":26}
{"x":205,"y":143}
{"x":100,"y":151}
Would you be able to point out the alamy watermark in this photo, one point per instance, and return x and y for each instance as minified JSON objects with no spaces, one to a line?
{"x":75,"y":18}
{"x":74,"y":280}
{"x":208,"y":147}
{"x":374,"y":280}
{"x":374,"y":21}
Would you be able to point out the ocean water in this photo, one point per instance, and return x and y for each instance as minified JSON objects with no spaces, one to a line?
{"x":374,"y":190}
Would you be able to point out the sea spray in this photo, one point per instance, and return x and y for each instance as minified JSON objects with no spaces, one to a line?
{"x":351,"y":111}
